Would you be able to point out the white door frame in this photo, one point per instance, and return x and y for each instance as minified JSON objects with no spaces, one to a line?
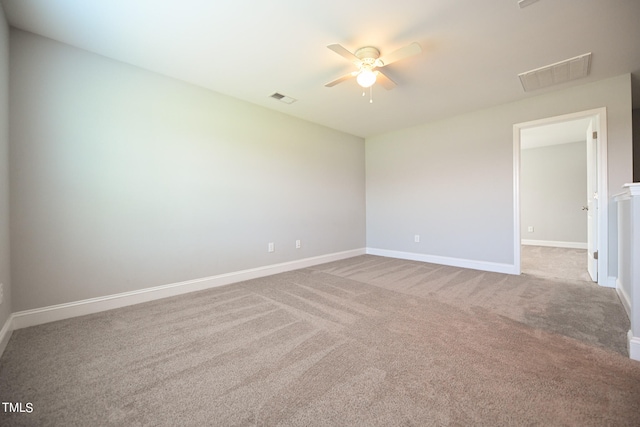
{"x":603,"y":196}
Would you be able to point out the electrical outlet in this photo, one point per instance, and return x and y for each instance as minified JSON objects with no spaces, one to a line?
{"x":416,"y":238}
{"x":530,"y":229}
{"x":298,"y":245}
{"x":271,"y":247}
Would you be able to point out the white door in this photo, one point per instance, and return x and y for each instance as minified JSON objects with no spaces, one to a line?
{"x":592,"y":202}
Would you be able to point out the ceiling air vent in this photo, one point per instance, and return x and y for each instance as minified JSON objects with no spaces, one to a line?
{"x":283,"y":98}
{"x":560,"y":72}
{"x":525,"y":3}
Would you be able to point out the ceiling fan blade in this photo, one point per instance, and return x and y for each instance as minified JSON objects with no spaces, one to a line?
{"x":385,"y":81}
{"x":341,"y":79}
{"x":340,"y":50}
{"x":403,"y":52}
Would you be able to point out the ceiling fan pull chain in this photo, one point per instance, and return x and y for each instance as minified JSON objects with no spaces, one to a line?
{"x":370,"y":94}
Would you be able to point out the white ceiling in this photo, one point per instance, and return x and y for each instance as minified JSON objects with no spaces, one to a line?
{"x":472,"y":54}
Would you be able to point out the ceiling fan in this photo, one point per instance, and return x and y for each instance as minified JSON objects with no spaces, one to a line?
{"x":368,"y":61}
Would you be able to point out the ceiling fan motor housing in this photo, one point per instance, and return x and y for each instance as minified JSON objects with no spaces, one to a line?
{"x":368,"y":55}
{"x":367,"y":59}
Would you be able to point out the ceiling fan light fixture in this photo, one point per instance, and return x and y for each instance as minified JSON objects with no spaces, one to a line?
{"x":366,"y":77}
{"x":367,"y":60}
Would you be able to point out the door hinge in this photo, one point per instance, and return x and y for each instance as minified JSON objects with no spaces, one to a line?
{"x":595,"y":135}
{"x":595,"y":255}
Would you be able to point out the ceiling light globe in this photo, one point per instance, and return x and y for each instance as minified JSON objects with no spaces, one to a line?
{"x":366,"y":78}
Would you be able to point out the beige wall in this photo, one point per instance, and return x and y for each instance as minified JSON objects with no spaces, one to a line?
{"x":636,"y":145}
{"x":122,"y":179}
{"x":553,"y":189}
{"x":451,"y":181}
{"x":5,"y":276}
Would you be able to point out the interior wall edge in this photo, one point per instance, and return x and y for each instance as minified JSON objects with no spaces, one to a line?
{"x":5,"y":245}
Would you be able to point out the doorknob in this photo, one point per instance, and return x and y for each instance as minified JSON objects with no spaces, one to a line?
{"x":585,"y":208}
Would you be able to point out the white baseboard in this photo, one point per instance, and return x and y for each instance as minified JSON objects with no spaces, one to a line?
{"x":5,"y":334}
{"x":554,"y":244}
{"x":38,"y":316}
{"x":624,"y":298}
{"x":634,"y":346}
{"x":453,"y":262}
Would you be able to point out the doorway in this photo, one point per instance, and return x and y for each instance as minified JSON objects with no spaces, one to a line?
{"x":584,"y":232}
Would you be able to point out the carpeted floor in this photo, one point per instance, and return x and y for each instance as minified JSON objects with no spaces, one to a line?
{"x":367,"y":341}
{"x":554,"y":263}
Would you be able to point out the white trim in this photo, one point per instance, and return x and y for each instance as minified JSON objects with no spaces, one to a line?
{"x":603,"y":198}
{"x":517,"y":238}
{"x":633,"y":188}
{"x":603,"y":192}
{"x":624,"y":298}
{"x":621,"y":197}
{"x":453,"y":262}
{"x":555,"y":244}
{"x":38,"y":316}
{"x":5,"y":334}
{"x":634,"y":346}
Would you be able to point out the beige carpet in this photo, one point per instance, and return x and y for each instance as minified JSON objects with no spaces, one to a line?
{"x":368,"y":341}
{"x":554,"y":263}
